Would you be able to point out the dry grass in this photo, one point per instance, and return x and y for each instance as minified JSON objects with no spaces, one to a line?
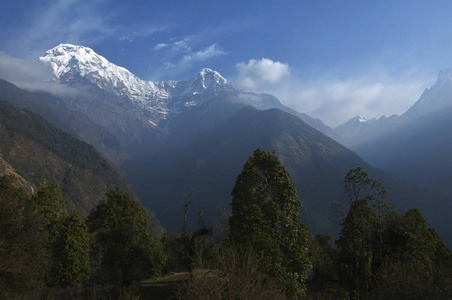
{"x":237,"y":277}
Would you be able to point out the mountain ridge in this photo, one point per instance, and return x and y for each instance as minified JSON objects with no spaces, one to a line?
{"x":157,"y":101}
{"x":207,"y":164}
{"x":153,"y":98}
{"x":433,"y":99}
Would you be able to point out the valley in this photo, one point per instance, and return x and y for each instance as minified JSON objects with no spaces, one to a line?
{"x":246,"y":150}
{"x":193,"y":137}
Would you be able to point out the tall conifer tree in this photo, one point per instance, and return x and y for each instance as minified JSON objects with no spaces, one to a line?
{"x":265,"y":215}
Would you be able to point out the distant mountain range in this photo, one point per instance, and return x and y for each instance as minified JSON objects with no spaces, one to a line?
{"x":416,"y":145}
{"x":359,"y":130}
{"x":157,"y":102}
{"x":194,"y":136}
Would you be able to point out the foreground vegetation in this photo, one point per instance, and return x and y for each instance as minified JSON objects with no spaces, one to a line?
{"x":265,"y":251}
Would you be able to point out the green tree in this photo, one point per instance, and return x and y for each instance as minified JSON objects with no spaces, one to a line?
{"x":23,"y":256}
{"x":188,"y":249}
{"x":386,"y":255}
{"x":324,"y":262}
{"x":125,"y":251}
{"x":50,"y":204}
{"x":361,"y":237}
{"x":265,"y":215}
{"x":358,"y":185}
{"x":355,"y":251}
{"x":417,"y":264}
{"x":68,"y":239}
{"x":71,"y":252}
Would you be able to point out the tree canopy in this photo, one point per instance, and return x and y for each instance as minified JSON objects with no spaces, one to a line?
{"x":23,"y":256}
{"x":387,"y":255}
{"x":68,"y":241}
{"x":126,"y":250}
{"x":265,"y":215}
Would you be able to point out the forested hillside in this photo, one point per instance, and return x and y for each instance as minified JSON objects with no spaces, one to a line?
{"x":265,"y":250}
{"x":42,"y":154}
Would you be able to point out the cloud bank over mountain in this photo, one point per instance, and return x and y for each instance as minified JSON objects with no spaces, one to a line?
{"x":332,"y":100}
{"x":31,"y":74}
{"x":335,"y":101}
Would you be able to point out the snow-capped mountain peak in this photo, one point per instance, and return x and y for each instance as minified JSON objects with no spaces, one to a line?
{"x":66,"y":57}
{"x":206,"y":80}
{"x":85,"y":70}
{"x":361,"y":119}
{"x":210,"y":76}
{"x":356,"y":121}
{"x":70,"y":63}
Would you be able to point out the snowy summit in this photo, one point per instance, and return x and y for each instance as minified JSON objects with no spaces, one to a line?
{"x":71,"y":63}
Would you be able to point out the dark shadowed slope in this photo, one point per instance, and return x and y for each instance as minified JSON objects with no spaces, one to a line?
{"x":207,"y":163}
{"x":56,"y":111}
{"x":42,"y":154}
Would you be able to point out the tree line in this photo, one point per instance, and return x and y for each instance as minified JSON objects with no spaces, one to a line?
{"x":42,"y":245}
{"x":266,"y":252}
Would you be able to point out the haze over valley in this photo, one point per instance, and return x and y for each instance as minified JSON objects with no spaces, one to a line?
{"x":296,"y":124}
{"x":193,"y":136}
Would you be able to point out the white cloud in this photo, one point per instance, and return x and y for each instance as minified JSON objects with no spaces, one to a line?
{"x":131,"y":36}
{"x":77,"y":22}
{"x":182,"y":44}
{"x":248,"y":98}
{"x":204,"y":54}
{"x":336,"y":101}
{"x":191,"y":57}
{"x":257,"y":73}
{"x":334,"y":98}
{"x":30,"y":74}
{"x":159,"y":46}
{"x":180,"y":56}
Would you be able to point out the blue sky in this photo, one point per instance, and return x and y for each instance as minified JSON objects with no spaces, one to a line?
{"x":330,"y":59}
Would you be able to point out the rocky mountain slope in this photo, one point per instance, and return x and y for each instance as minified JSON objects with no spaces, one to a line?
{"x":157,"y":102}
{"x":40,"y":154}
